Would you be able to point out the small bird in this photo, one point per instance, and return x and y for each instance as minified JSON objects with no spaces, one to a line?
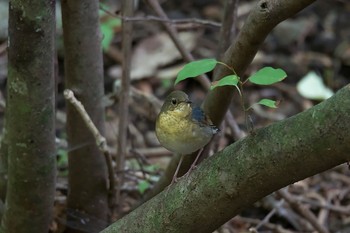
{"x":182,"y":128}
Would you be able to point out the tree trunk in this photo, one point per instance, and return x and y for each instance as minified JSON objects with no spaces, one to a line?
{"x":30,"y":117}
{"x":3,"y":164}
{"x":88,"y":191}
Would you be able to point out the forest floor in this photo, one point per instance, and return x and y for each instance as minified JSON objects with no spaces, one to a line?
{"x":312,"y":47}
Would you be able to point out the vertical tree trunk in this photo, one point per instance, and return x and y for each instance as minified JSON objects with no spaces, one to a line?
{"x":88,"y":193}
{"x":30,"y":117}
{"x":3,"y":164}
{"x":127,"y":11}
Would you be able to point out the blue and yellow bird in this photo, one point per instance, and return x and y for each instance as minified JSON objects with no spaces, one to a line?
{"x":182,"y":128}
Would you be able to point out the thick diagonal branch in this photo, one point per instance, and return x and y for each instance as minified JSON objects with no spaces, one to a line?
{"x":244,"y":172}
{"x":263,"y":18}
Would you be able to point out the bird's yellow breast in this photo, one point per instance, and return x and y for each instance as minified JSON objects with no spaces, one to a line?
{"x":173,"y":123}
{"x":178,"y":133}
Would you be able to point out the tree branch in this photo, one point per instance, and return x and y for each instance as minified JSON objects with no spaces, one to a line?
{"x":244,"y":172}
{"x":263,"y":18}
{"x":260,"y":22}
{"x":127,"y":10}
{"x":229,"y":26}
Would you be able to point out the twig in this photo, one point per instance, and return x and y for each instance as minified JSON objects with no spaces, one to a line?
{"x":290,"y":216}
{"x":127,"y":10}
{"x":100,"y":141}
{"x":203,"y":79}
{"x":274,"y":227}
{"x":153,"y":152}
{"x":159,"y":19}
{"x":140,"y":159}
{"x":175,"y":21}
{"x":345,"y":210}
{"x":303,"y":211}
{"x":232,"y":124}
{"x":268,"y":216}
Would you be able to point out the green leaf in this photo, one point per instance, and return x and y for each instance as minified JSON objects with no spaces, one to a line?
{"x":62,"y":162}
{"x":151,"y":168}
{"x":268,"y":103}
{"x":230,"y":80}
{"x":62,"y":158}
{"x":268,"y":76}
{"x":195,"y":68}
{"x":108,"y":26}
{"x":143,"y":186}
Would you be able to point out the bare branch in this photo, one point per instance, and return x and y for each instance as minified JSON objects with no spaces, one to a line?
{"x":100,"y":140}
{"x":127,"y":11}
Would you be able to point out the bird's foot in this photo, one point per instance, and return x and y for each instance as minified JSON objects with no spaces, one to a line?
{"x":190,"y":170}
{"x":173,"y":181}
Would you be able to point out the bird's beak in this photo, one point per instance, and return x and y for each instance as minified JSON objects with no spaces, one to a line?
{"x":188,"y":101}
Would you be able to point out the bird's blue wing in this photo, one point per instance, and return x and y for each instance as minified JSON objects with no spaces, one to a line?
{"x":198,"y":114}
{"x":203,"y":120}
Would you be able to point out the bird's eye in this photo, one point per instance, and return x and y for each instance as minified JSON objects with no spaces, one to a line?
{"x":173,"y":101}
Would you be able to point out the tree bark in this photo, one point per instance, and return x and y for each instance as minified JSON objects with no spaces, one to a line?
{"x":244,"y":172}
{"x":30,"y":117}
{"x":229,"y":26}
{"x":3,"y":163}
{"x":88,"y":191}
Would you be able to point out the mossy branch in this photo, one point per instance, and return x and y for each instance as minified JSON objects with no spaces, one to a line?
{"x":246,"y":171}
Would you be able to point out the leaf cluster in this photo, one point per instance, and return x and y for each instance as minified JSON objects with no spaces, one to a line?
{"x":264,"y":76}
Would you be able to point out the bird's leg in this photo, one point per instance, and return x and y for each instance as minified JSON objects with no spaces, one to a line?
{"x":194,"y":162}
{"x":174,"y":180}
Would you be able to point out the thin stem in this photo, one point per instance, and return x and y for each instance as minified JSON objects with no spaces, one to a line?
{"x":99,"y":139}
{"x":244,"y":82}
{"x":228,"y":67}
{"x":243,"y":104}
{"x":127,"y":10}
{"x":239,"y":91}
{"x":251,"y":106}
{"x":160,"y":19}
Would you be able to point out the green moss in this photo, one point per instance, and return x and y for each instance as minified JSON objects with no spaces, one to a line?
{"x":47,"y":115}
{"x":23,"y":145}
{"x":17,"y":86}
{"x":30,"y":13}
